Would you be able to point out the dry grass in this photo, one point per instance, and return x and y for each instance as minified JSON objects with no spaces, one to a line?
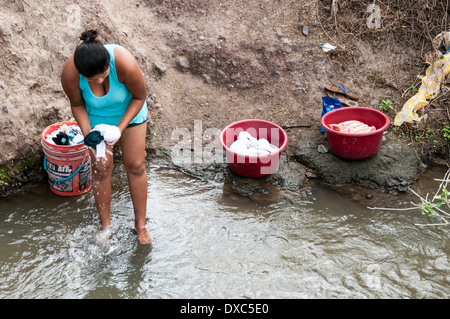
{"x":410,"y":22}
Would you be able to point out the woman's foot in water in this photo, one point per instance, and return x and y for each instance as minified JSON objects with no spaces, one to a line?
{"x":103,"y":235}
{"x":144,"y":236}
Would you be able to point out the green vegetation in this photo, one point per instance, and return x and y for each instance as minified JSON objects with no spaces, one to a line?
{"x":446,"y":132}
{"x":3,"y":176}
{"x":11,"y":171}
{"x":430,"y":208}
{"x":437,"y":207}
{"x":386,"y":105}
{"x":429,"y":141}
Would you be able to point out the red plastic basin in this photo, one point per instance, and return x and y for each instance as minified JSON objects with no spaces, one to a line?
{"x":355,"y":146}
{"x":252,"y":165}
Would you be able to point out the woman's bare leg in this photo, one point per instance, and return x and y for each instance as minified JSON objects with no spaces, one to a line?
{"x":101,"y":173}
{"x":132,"y":143}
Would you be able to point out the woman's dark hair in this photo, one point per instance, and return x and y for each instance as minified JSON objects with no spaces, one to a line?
{"x":90,"y":57}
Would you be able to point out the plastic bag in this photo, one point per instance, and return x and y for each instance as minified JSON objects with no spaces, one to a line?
{"x":329,"y":104}
{"x":430,"y":87}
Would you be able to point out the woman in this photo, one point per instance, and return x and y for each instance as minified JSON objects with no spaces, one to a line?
{"x":105,"y":85}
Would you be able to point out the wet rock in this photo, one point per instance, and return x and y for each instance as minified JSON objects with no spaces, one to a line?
{"x":392,"y":170}
{"x":290,"y":176}
{"x":5,"y":109}
{"x":310,"y":174}
{"x":422,"y":168}
{"x":247,"y":187}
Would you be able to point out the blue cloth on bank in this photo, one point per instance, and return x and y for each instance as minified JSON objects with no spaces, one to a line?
{"x":329,"y":104}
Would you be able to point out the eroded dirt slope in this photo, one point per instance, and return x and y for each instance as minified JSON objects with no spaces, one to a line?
{"x":219,"y":61}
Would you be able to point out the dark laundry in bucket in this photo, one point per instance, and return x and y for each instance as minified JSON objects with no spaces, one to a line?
{"x":61,"y":139}
{"x":65,"y":135}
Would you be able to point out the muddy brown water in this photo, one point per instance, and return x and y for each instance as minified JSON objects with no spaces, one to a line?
{"x":209,"y":243}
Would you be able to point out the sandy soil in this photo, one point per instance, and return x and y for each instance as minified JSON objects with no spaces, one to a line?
{"x":213,"y":62}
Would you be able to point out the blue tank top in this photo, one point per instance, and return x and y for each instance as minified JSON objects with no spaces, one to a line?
{"x":109,"y":108}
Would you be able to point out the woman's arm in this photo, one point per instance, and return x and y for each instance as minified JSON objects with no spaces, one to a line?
{"x":129,"y":73}
{"x":70,"y":79}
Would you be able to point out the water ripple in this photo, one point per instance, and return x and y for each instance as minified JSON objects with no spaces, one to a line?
{"x":211,"y":244}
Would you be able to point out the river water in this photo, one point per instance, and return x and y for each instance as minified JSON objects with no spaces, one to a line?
{"x":210,"y":243}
